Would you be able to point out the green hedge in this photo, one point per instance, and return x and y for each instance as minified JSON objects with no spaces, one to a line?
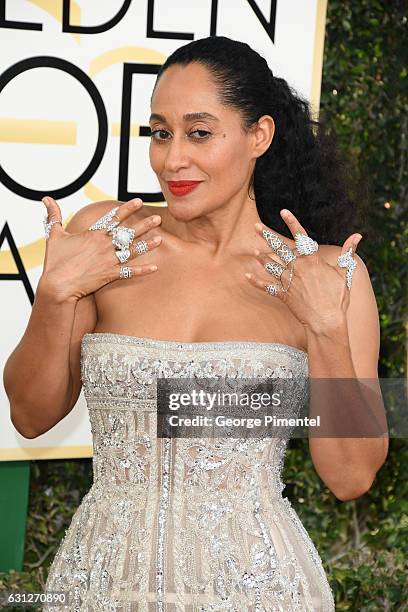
{"x":364,"y":542}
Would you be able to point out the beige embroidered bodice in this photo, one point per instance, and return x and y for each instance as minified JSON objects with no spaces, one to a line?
{"x":176,"y":523}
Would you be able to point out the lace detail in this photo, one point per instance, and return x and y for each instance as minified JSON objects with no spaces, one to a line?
{"x":183,"y":524}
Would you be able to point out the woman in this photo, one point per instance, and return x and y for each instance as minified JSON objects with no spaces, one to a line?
{"x":184,"y":524}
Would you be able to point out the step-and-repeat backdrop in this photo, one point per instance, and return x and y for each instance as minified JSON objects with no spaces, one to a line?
{"x":74,"y":73}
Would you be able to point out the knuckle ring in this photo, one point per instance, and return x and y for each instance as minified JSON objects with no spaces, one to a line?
{"x":125,"y":272}
{"x":103,"y":222}
{"x":141,"y":247}
{"x":274,"y":268}
{"x":48,"y":225}
{"x":305,"y":245}
{"x":347,"y":261}
{"x":271,"y":289}
{"x":277,"y":245}
{"x":122,"y":254}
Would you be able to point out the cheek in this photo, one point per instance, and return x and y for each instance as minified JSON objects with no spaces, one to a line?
{"x":227,"y":162}
{"x":154,"y":157}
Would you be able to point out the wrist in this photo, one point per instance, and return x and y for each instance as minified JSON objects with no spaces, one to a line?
{"x":331,"y":328}
{"x":49,"y":292}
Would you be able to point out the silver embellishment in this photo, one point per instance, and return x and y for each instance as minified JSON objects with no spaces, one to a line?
{"x":122,"y":236}
{"x":305,"y":245}
{"x":48,"y":225}
{"x":122,"y":255}
{"x":125,"y":272}
{"x":346,"y":261}
{"x":272,"y":289}
{"x":274,"y":268}
{"x":104,"y":221}
{"x":226,"y":539}
{"x":280,"y":247}
{"x":141,"y":247}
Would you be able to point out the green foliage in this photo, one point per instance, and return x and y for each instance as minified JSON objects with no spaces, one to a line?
{"x":364,"y":100}
{"x":364,"y":542}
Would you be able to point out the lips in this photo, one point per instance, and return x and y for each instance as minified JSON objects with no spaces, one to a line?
{"x":182,"y":187}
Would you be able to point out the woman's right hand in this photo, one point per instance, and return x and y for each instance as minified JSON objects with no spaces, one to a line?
{"x":77,"y":264}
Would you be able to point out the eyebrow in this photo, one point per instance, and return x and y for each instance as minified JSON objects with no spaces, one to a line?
{"x":186,"y":117}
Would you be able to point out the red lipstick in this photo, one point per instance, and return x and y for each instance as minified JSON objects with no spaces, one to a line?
{"x":180,"y":188}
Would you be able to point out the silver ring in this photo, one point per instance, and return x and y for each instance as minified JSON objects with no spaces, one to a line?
{"x":48,"y":225}
{"x":280,"y":247}
{"x":271,"y":289}
{"x":305,"y":245}
{"x":274,"y":268}
{"x":122,"y":236}
{"x":141,"y":247}
{"x":125,"y":272}
{"x":103,"y":222}
{"x":122,"y":255}
{"x":346,"y":261}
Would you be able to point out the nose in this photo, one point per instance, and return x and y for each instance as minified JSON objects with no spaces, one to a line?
{"x":177,"y":154}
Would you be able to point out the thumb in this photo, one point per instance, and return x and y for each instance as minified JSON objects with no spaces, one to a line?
{"x":53,"y":211}
{"x":356,"y":241}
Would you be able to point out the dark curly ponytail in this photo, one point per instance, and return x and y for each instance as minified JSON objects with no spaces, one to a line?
{"x":303,"y":169}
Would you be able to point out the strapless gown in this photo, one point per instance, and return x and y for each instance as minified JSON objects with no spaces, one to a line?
{"x":176,"y":523}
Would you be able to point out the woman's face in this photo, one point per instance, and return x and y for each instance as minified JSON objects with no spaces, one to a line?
{"x":214,"y":150}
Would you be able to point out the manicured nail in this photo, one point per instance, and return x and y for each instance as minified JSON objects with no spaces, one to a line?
{"x":259,"y":226}
{"x":137,"y":203}
{"x":285,"y":212}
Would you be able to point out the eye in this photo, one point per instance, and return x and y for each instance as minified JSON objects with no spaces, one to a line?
{"x":162,"y":131}
{"x":202,"y":132}
{"x":153,"y":132}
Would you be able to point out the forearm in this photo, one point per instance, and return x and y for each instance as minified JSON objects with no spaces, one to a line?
{"x":37,"y":376}
{"x":348,"y":453}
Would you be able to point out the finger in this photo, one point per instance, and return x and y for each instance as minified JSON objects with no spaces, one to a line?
{"x":144,"y":225}
{"x":266,"y":258}
{"x":53,"y":210}
{"x":53,"y":213}
{"x":292,"y":223}
{"x":271,"y":288}
{"x":352,"y":241}
{"x":279,"y":246}
{"x":128,"y":208}
{"x":145,"y":246}
{"x":136,"y":270}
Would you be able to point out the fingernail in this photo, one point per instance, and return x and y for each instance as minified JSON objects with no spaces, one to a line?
{"x":285,"y":211}
{"x":137,"y":202}
{"x":44,"y":200}
{"x":258,"y":226}
{"x":248,"y":274}
{"x":257,"y":252}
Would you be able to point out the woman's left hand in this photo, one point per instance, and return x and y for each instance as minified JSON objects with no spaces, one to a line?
{"x":318,"y":295}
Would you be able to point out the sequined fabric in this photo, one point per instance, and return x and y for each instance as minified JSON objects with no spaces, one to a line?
{"x":197,"y":525}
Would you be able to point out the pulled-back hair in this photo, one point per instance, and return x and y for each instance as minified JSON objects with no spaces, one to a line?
{"x":303,"y":169}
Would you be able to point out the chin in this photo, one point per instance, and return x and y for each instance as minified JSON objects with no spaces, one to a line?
{"x":183,"y":211}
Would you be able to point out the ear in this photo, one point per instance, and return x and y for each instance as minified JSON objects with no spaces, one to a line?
{"x":263,"y":134}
